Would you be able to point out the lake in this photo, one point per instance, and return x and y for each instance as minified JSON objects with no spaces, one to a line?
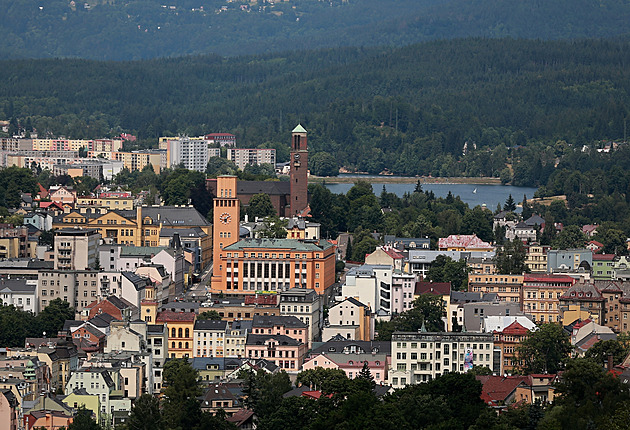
{"x":490,"y":195}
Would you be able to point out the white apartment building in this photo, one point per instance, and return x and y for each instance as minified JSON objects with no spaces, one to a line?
{"x":423,"y":356}
{"x":370,"y":285}
{"x":76,"y":249}
{"x":208,"y":338}
{"x":236,"y":337}
{"x":191,"y":152}
{"x":251,"y":156}
{"x":306,"y":305}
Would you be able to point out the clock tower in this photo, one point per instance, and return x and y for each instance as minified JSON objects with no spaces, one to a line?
{"x":225,"y":226}
{"x":299,"y":171}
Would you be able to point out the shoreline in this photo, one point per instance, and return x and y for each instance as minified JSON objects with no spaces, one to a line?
{"x":404,"y":180}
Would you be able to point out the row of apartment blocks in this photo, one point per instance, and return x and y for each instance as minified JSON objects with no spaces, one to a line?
{"x":107,"y":157}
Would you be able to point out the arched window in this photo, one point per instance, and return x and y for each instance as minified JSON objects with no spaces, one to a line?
{"x":173,"y":344}
{"x":186,"y":345}
{"x":173,"y":332}
{"x":187,"y":333}
{"x":179,"y":332}
{"x":180,"y":345}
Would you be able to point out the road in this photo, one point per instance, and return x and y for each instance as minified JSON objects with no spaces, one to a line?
{"x":198,"y":290}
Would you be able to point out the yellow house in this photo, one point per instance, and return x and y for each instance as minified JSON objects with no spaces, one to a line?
{"x":146,"y":226}
{"x":576,"y":312}
{"x":82,"y":398}
{"x":180,"y":327}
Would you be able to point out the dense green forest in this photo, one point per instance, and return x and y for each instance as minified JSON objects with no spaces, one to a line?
{"x":517,"y":106}
{"x":136,"y":29}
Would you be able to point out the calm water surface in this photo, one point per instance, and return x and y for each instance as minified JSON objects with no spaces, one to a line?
{"x":490,"y":195}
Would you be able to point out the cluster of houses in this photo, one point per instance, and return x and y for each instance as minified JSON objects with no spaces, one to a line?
{"x":131,"y":272}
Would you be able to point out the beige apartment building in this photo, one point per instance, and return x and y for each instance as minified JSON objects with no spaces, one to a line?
{"x":508,"y":288}
{"x":76,"y":249}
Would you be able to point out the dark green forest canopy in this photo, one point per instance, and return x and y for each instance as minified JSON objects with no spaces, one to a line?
{"x":136,"y":29}
{"x":409,"y":109}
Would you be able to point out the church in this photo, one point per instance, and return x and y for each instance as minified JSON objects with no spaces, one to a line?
{"x":254,"y":266}
{"x":288,"y":198}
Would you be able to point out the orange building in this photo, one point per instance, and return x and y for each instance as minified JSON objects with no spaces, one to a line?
{"x":508,"y":341}
{"x":250,"y":266}
{"x":180,"y":327}
{"x":225,"y":227}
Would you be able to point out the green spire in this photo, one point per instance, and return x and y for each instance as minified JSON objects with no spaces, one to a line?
{"x":299,"y":129}
{"x":423,"y":329}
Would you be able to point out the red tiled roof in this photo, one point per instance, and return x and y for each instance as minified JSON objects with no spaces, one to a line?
{"x":392,"y":253}
{"x":604,"y":257}
{"x":240,"y":416}
{"x":529,"y":277}
{"x":515,"y":328}
{"x":462,"y":241}
{"x":499,"y":388}
{"x":439,"y":288}
{"x":314,"y":394}
{"x":166,"y":316}
{"x":582,"y":323}
{"x":596,"y":243}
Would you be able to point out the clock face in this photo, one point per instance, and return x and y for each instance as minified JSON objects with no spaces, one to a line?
{"x":297,"y":156}
{"x":225,"y":218}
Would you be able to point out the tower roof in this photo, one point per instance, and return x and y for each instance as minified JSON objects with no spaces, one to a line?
{"x":299,"y":129}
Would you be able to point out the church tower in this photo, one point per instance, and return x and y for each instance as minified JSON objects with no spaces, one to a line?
{"x":225,"y":228}
{"x":299,"y":171}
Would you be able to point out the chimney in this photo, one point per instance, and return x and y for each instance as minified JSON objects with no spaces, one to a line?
{"x":610,"y":363}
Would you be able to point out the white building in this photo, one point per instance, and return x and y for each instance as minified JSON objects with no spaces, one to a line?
{"x":208,"y":338}
{"x":102,"y":382}
{"x":243,"y":157}
{"x":19,"y":293}
{"x":370,"y":285}
{"x":421,"y":357}
{"x":307,"y":306}
{"x":191,"y":152}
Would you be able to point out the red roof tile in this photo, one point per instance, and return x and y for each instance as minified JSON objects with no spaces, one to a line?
{"x":462,"y":241}
{"x":499,"y":388}
{"x":439,"y":288}
{"x":604,"y":257}
{"x":170,"y":316}
{"x":529,"y":277}
{"x":515,"y":328}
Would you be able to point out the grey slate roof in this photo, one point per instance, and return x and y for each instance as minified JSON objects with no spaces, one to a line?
{"x":186,"y":216}
{"x":137,"y":281}
{"x":277,"y":320}
{"x":291,"y":244}
{"x":210,"y":325}
{"x":282,"y":340}
{"x":16,"y":286}
{"x":273,"y":188}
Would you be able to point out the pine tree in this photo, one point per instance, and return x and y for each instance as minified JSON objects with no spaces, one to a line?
{"x":509,"y":206}
{"x":364,"y":379}
{"x":349,"y":249}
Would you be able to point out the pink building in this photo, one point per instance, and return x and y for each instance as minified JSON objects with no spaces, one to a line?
{"x":8,"y":410}
{"x":403,"y":286}
{"x":351,"y":364}
{"x":285,"y":352}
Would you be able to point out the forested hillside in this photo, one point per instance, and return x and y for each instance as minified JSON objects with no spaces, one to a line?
{"x":411,"y":110}
{"x":136,"y":29}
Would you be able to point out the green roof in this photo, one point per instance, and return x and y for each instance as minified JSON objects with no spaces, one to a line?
{"x":299,"y":129}
{"x":294,"y":244}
